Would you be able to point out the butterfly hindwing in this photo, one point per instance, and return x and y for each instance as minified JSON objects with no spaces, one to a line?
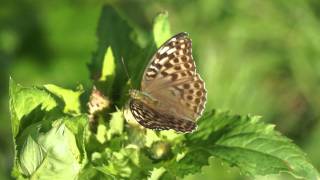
{"x":150,"y":118}
{"x":192,"y":95}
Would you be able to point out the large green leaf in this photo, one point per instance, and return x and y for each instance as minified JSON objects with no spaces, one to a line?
{"x":24,"y":100}
{"x":49,"y":155}
{"x":117,"y":33}
{"x":46,"y":146}
{"x":245,"y":142}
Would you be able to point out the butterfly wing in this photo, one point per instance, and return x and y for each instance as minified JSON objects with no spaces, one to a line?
{"x":171,"y":77}
{"x":152,"y":119}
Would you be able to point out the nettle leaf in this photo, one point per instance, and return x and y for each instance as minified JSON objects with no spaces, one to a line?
{"x":114,"y":164}
{"x":26,"y":107}
{"x":31,"y":156}
{"x":24,"y":100}
{"x":129,"y":162}
{"x":52,"y":153}
{"x":157,"y":173}
{"x":106,"y":131}
{"x":246,"y":142}
{"x":114,"y":31}
{"x":46,"y":147}
{"x":91,"y":172}
{"x":108,"y":66}
{"x":116,"y":124}
{"x":70,"y":98}
{"x":161,"y":29}
{"x":108,"y":69}
{"x":101,"y":134}
{"x":79,"y":127}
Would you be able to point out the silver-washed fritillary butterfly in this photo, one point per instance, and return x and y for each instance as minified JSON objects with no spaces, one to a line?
{"x":172,"y":94}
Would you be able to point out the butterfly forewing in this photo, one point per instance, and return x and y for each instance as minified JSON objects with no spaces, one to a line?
{"x":171,"y":76}
{"x":172,"y":61}
{"x":172,"y":80}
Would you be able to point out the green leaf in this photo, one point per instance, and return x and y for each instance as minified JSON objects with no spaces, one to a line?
{"x":115,"y":32}
{"x":27,"y":106}
{"x":156,"y":173}
{"x":161,"y":29}
{"x":108,"y":66}
{"x":128,"y":162}
{"x":113,"y":163}
{"x":108,"y":69}
{"x":45,"y":148}
{"x":23,"y":100}
{"x":51,"y":154}
{"x":31,"y":156}
{"x":107,"y":131}
{"x":101,"y":134}
{"x":79,"y":127}
{"x":246,"y":142}
{"x":116,"y":124}
{"x":91,"y":172}
{"x":70,"y":98}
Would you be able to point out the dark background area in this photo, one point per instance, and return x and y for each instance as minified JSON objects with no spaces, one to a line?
{"x":256,"y":57}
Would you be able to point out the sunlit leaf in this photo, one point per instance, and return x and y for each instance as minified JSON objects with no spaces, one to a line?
{"x":49,"y":155}
{"x":246,"y":142}
{"x":116,"y":124}
{"x":108,"y":66}
{"x":161,"y":29}
{"x":24,"y":100}
{"x":70,"y":98}
{"x":31,"y":156}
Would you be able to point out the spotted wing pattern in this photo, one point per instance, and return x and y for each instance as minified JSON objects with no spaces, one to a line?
{"x":150,"y":118}
{"x":173,"y":60}
{"x":171,"y":76}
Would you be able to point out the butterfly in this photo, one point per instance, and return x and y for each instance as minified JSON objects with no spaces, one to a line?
{"x":172,"y":94}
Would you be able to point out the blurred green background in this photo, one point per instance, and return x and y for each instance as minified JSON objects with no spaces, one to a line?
{"x":256,"y":57}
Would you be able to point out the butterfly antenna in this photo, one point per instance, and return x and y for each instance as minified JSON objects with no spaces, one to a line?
{"x":126,"y":71}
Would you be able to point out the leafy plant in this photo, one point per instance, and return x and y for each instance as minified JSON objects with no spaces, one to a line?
{"x":53,"y":140}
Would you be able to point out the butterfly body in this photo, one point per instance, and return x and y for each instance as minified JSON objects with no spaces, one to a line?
{"x":172,"y":94}
{"x":142,"y":96}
